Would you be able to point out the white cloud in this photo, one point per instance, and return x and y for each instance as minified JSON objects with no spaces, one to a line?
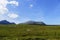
{"x":14,"y":3}
{"x":3,"y":6}
{"x":3,"y":10}
{"x":12,"y":15}
{"x":31,"y":5}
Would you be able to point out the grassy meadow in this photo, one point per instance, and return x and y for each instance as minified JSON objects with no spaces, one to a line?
{"x":29,"y":32}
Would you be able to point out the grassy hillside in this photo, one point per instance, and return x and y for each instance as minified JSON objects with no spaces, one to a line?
{"x":29,"y":32}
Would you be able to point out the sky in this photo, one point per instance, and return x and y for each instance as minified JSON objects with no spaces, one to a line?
{"x":19,"y":11}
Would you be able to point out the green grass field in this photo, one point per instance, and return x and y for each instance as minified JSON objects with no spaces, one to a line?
{"x":29,"y":32}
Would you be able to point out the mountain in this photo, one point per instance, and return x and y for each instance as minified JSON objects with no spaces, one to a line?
{"x":35,"y":23}
{"x":5,"y":22}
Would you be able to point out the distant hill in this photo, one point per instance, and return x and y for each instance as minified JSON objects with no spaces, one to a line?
{"x":35,"y":23}
{"x":5,"y":22}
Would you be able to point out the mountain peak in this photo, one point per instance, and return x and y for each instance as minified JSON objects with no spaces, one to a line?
{"x":35,"y":23}
{"x":5,"y":22}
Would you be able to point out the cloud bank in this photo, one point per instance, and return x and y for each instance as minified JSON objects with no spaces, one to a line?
{"x":12,"y":15}
{"x":4,"y":10}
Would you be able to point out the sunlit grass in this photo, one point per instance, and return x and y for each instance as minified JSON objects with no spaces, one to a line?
{"x":21,"y":31}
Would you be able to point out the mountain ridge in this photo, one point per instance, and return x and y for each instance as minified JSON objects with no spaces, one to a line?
{"x":34,"y":23}
{"x":6,"y":22}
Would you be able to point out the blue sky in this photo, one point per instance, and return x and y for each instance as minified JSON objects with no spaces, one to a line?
{"x":19,"y":11}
